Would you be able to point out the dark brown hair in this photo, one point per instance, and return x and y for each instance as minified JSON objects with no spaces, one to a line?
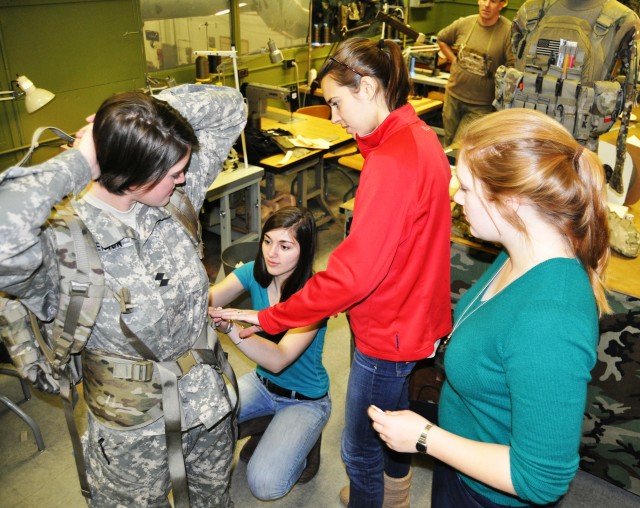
{"x":382,"y":60}
{"x":302,"y":225}
{"x":138,"y":139}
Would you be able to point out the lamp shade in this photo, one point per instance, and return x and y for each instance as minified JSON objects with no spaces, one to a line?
{"x":275,"y":55}
{"x":35,"y":98}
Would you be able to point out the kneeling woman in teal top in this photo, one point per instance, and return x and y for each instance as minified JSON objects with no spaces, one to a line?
{"x":525,"y":335}
{"x":290,"y":381}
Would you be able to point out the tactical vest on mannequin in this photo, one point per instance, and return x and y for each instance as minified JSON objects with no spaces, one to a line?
{"x":576,"y":61}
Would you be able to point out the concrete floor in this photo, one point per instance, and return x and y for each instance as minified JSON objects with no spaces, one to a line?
{"x":30,"y":479}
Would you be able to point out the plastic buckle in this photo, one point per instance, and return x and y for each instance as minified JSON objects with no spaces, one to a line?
{"x":139,"y":371}
{"x":187,"y":362}
{"x":78,"y":288}
{"x":124,"y":299}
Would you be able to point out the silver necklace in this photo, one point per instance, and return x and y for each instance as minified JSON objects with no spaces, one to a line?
{"x":464,"y":314}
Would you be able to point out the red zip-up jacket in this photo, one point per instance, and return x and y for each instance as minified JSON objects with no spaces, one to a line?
{"x":392,"y":271}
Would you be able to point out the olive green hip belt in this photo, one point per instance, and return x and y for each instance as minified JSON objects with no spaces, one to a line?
{"x":129,"y":392}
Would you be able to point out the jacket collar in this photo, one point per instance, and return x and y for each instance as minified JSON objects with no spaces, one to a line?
{"x":397,"y":119}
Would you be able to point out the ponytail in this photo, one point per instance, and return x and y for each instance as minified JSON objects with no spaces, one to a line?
{"x":593,"y":248}
{"x":521,"y":152}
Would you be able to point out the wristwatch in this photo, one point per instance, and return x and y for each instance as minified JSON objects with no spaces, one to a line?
{"x":421,"y":444}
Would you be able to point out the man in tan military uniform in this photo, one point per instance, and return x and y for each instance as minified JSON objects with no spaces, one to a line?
{"x":484,"y":43}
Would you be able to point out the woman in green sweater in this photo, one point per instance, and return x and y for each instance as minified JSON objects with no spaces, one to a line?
{"x":525,"y":335}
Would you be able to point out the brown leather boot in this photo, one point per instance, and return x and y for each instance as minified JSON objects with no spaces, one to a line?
{"x":396,"y":491}
{"x":313,"y":463}
{"x":344,"y":495}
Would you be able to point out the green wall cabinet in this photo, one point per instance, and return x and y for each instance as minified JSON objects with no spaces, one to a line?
{"x":82,"y":51}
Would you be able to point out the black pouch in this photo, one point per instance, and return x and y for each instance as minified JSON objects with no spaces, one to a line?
{"x":262,"y":144}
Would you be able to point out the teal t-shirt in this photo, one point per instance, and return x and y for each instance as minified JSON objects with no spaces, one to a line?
{"x":306,"y":374}
{"x":517,"y":372}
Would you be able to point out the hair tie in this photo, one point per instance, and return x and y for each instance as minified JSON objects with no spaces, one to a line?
{"x":382,"y":44}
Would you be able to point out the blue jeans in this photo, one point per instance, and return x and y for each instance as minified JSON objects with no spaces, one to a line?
{"x":449,"y":491}
{"x":386,"y":385}
{"x":281,"y":455}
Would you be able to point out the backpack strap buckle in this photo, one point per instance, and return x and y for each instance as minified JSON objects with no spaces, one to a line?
{"x":78,"y":288}
{"x":186,"y":362}
{"x":135,"y":371}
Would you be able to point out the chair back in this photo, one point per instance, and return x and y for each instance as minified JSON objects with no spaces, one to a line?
{"x":318,"y":110}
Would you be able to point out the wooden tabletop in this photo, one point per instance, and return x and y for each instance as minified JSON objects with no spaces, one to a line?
{"x":310,"y":127}
{"x":424,"y":105}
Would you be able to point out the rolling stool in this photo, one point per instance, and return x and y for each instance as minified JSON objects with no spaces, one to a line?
{"x":35,"y":428}
{"x":356,"y":162}
{"x":256,"y":427}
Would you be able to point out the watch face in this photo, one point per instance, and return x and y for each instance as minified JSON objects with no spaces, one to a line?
{"x":421,"y":448}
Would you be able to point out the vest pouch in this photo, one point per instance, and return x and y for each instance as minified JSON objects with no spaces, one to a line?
{"x":607,"y":104}
{"x":116,"y":399}
{"x":519,"y":99}
{"x":530,"y":89}
{"x":499,"y":84}
{"x":548,"y":93}
{"x":582,"y":127}
{"x":554,"y":71}
{"x":508,"y":83}
{"x":566,"y":115}
{"x":574,"y":73}
{"x":473,"y":62}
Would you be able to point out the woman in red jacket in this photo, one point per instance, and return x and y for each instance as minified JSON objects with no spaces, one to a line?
{"x":392,"y":271}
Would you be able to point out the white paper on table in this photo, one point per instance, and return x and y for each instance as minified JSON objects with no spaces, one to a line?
{"x":286,"y":157}
{"x":633,"y":140}
{"x":317,"y":143}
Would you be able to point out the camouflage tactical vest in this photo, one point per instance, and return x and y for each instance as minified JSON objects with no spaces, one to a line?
{"x":565,"y":68}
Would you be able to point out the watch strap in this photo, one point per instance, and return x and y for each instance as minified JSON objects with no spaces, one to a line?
{"x":421,"y":444}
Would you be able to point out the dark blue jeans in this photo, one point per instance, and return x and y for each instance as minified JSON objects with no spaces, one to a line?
{"x":386,"y":385}
{"x":449,"y":491}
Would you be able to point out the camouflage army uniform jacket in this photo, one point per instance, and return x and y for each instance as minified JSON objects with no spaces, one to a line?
{"x":157,"y":263}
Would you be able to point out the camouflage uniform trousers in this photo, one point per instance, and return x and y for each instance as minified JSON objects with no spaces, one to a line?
{"x":457,"y":115}
{"x":127,"y":468}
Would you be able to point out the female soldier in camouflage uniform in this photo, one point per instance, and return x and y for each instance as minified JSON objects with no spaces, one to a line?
{"x":143,"y":148}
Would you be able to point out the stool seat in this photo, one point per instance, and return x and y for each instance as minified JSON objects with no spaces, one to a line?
{"x":354,"y":161}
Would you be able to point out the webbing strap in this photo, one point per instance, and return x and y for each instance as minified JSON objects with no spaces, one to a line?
{"x":182,"y":210}
{"x":630,"y":84}
{"x":36,"y":136}
{"x":78,"y":287}
{"x":68,"y":394}
{"x":172,"y":423}
{"x":223,"y":362}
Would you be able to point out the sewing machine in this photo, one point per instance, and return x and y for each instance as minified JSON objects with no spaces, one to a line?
{"x":258,"y":94}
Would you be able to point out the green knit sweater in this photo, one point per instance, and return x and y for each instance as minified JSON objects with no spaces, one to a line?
{"x":517,"y":373}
